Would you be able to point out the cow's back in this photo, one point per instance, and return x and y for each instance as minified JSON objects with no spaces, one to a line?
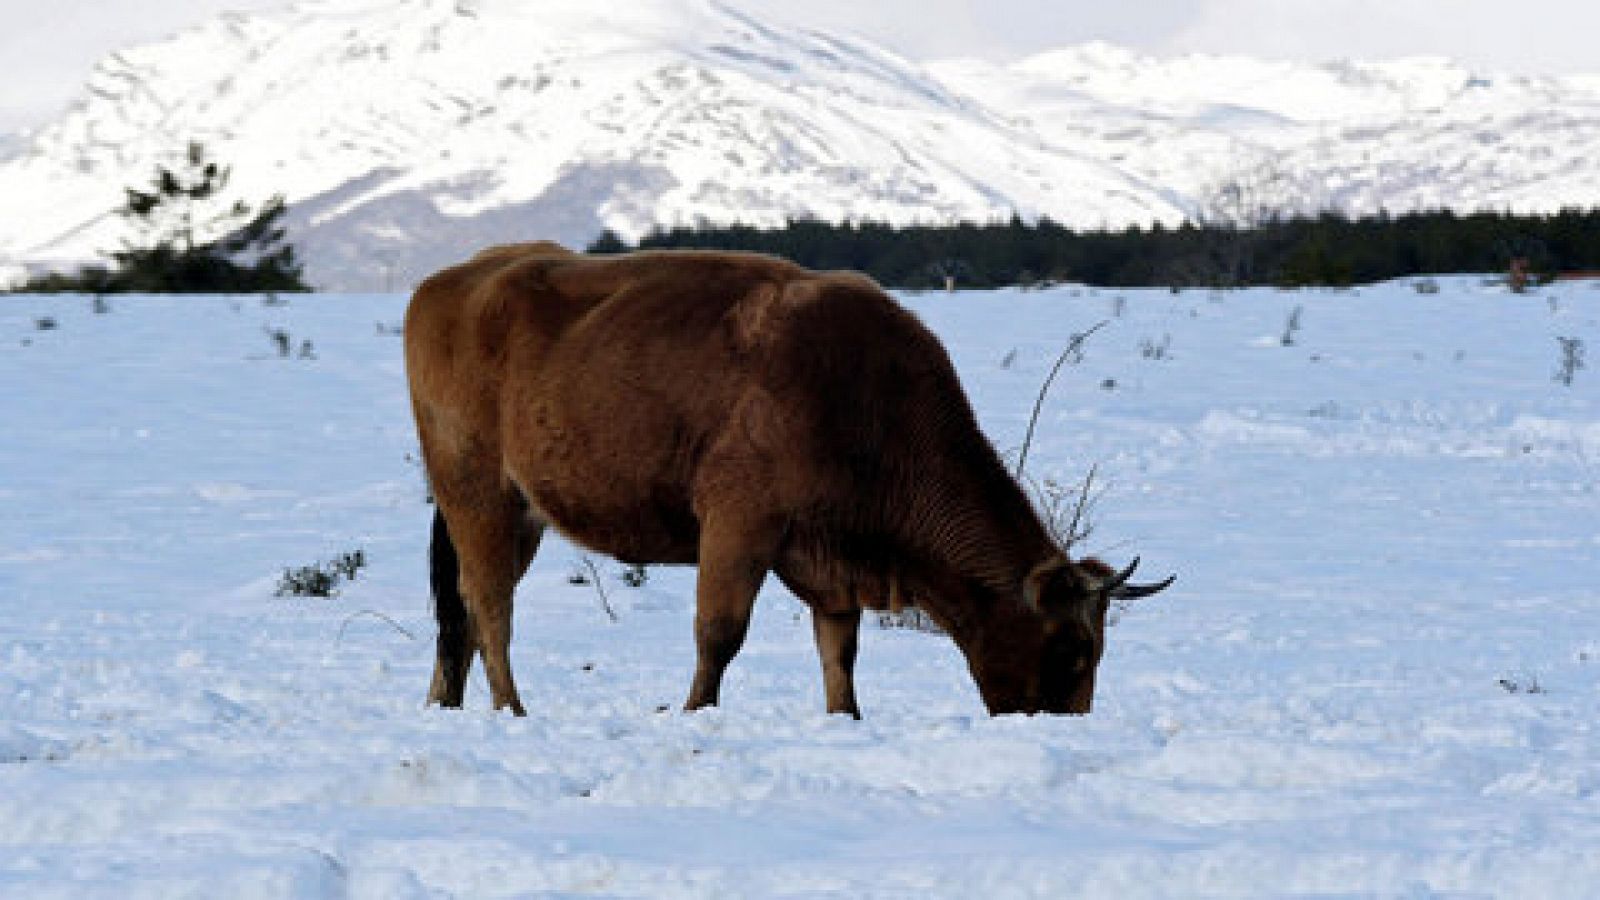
{"x":622,"y":394}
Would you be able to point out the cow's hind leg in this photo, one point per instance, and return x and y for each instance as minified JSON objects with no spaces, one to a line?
{"x":455,"y":643}
{"x":493,"y":540}
{"x":836,"y":635}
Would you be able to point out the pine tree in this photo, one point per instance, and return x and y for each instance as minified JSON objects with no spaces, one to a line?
{"x":175,"y":214}
{"x":189,"y":240}
{"x":607,"y":242}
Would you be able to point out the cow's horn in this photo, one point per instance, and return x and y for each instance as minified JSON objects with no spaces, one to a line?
{"x":1134,"y":591}
{"x":1115,"y":582}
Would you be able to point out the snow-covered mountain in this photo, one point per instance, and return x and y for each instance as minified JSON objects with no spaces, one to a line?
{"x":1420,"y":133}
{"x":406,"y":134}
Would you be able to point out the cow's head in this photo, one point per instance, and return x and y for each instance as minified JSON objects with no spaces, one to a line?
{"x":1043,"y":659}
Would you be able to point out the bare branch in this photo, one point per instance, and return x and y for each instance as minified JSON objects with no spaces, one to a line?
{"x":1074,"y":351}
{"x":1065,"y":508}
{"x":599,"y":588}
{"x":374,"y":613}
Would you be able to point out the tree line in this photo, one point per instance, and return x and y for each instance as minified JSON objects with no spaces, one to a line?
{"x":190,"y":238}
{"x":1325,"y":249}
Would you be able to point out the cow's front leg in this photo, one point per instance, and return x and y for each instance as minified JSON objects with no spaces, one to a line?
{"x":836,"y":635}
{"x":734,"y":559}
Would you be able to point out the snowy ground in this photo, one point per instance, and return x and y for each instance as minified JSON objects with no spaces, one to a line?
{"x":1377,"y":675}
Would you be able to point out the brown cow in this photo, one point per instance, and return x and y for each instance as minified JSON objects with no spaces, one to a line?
{"x":747,"y":415}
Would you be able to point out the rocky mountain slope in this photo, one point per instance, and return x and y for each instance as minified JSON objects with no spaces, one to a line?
{"x":404,"y":135}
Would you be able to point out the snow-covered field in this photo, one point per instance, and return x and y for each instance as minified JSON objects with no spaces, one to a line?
{"x":1377,"y":675}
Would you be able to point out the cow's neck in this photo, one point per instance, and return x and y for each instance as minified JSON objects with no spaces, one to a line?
{"x":982,"y":533}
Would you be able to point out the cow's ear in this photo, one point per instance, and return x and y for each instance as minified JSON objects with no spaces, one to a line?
{"x":1036,"y":591}
{"x":1096,"y":569}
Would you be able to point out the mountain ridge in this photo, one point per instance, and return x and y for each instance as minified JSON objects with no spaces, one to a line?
{"x":406,"y":135}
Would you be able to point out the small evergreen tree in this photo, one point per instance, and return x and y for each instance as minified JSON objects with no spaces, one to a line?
{"x":172,"y":253}
{"x":607,"y":242}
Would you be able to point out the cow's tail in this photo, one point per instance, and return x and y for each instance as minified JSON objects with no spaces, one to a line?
{"x":449,"y":610}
